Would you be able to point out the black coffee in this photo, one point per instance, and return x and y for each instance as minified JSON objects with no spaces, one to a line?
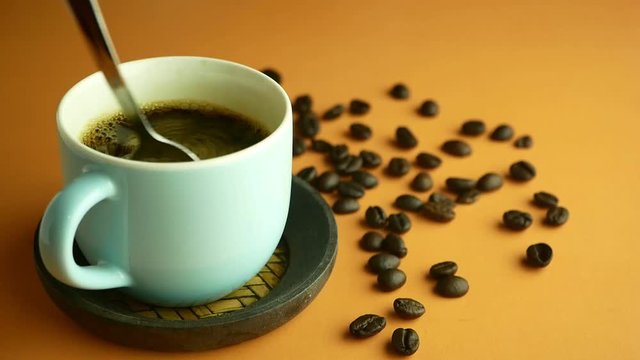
{"x":209,"y":131}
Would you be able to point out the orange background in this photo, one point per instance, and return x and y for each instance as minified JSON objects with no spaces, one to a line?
{"x":565,"y":72}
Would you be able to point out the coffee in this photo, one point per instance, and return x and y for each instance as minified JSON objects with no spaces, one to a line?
{"x":208,"y":130}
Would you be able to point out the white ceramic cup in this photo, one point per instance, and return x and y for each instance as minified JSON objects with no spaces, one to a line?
{"x":172,"y":234}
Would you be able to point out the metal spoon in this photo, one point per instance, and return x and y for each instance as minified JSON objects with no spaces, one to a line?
{"x":89,"y":17}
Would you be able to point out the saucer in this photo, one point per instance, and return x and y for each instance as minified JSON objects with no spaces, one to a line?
{"x":291,"y":279}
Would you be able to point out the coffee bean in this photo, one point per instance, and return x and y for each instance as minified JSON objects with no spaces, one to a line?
{"x":299,"y":147}
{"x":428,"y":161}
{"x":364,"y":178}
{"x":321,"y":146}
{"x":523,"y":142}
{"x":394,"y":244}
{"x":442,"y":269}
{"x":539,"y":255}
{"x":459,"y":185}
{"x":489,"y":182}
{"x":360,"y":131}
{"x":371,"y":241}
{"x":452,"y":286}
{"x":473,"y":127}
{"x":556,"y":216}
{"x":327,"y":181}
{"x":375,"y":217}
{"x":408,"y":202}
{"x":307,"y":174}
{"x":408,"y":308}
{"x":273,"y":74}
{"x":334,"y":112}
{"x":438,"y":211}
{"x":350,"y":189}
{"x":438,"y":197}
{"x":398,"y":167}
{"x":345,"y":205}
{"x":399,"y":223}
{"x":348,"y":165}
{"x":456,"y":148}
{"x":308,"y":125}
{"x":468,"y":197}
{"x":405,"y":341}
{"x":517,"y":220}
{"x":428,"y":108}
{"x":383,"y":261}
{"x":392,"y":279}
{"x":359,"y":107}
{"x":421,"y":182}
{"x":302,"y":104}
{"x":502,"y":132}
{"x":370,"y":159}
{"x":545,"y":200}
{"x":367,"y":325}
{"x":522,"y":171}
{"x":338,"y":152}
{"x":399,"y":91}
{"x":405,"y":138}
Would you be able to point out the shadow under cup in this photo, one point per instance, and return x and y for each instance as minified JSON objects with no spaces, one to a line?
{"x":183,"y":233}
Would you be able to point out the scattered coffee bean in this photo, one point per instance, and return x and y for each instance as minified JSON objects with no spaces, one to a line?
{"x":349,"y":165}
{"x":522,"y":171}
{"x":370,"y":159}
{"x":405,"y":138}
{"x":408,"y":308}
{"x":523,"y":142}
{"x":429,"y":108}
{"x":517,"y":220}
{"x":371,"y":241}
{"x":502,"y":132}
{"x":394,"y":244}
{"x":421,"y":182}
{"x":408,"y":202}
{"x":456,"y":148}
{"x":399,"y":223}
{"x":360,"y":131}
{"x":399,"y":91}
{"x":545,"y":200}
{"x":350,"y":189}
{"x":489,"y":182}
{"x":442,"y":269}
{"x":299,"y":147}
{"x":383,"y":261}
{"x":438,"y":211}
{"x":273,"y":74}
{"x":338,"y":152}
{"x":302,"y":104}
{"x":452,"y":286}
{"x":367,"y":325}
{"x":459,"y":185}
{"x":364,"y":178}
{"x":346,"y":205}
{"x":308,"y":125}
{"x":556,"y":216}
{"x":405,"y":341}
{"x":359,"y":107}
{"x":334,"y":112}
{"x":473,"y":128}
{"x":308,"y":174}
{"x":468,"y":197}
{"x":438,"y":197}
{"x":539,"y":255}
{"x":428,"y":161}
{"x":321,"y":146}
{"x":375,"y":216}
{"x":327,"y":181}
{"x":398,"y":167}
{"x":391,"y":279}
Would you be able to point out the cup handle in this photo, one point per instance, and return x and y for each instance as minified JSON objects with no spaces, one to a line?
{"x":58,"y":228}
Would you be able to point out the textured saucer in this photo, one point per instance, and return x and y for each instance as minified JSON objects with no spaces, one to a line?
{"x":287,"y":284}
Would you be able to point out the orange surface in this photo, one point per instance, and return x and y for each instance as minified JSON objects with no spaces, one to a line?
{"x":565,"y":72}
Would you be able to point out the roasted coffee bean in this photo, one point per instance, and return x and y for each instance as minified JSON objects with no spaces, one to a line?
{"x":392,"y":279}
{"x":367,"y":325}
{"x":308,"y":174}
{"x":398,"y":167}
{"x":405,"y":341}
{"x":545,"y":200}
{"x":502,"y":132}
{"x":299,"y":147}
{"x":556,"y":216}
{"x":522,"y":171}
{"x":517,"y":220}
{"x":468,"y":197}
{"x":523,"y":142}
{"x":442,"y":269}
{"x":421,"y":182}
{"x":473,"y":127}
{"x":489,"y":182}
{"x":350,"y":189}
{"x":302,"y":104}
{"x":438,"y":197}
{"x":460,"y":185}
{"x":371,"y":241}
{"x":273,"y":74}
{"x":321,"y":146}
{"x":364,"y":178}
{"x":428,"y":161}
{"x":383,"y":261}
{"x":399,"y":223}
{"x":399,"y":91}
{"x":428,"y":108}
{"x":349,"y":165}
{"x":360,"y":131}
{"x":394,"y":244}
{"x":338,"y":152}
{"x":334,"y":112}
{"x":308,"y":125}
{"x":408,"y":202}
{"x":452,"y":286}
{"x":327,"y":181}
{"x":370,"y":159}
{"x":359,"y":107}
{"x":539,"y":255}
{"x":408,"y":308}
{"x":405,"y":138}
{"x":375,"y":217}
{"x":438,"y":211}
{"x":456,"y":148}
{"x":346,"y":205}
